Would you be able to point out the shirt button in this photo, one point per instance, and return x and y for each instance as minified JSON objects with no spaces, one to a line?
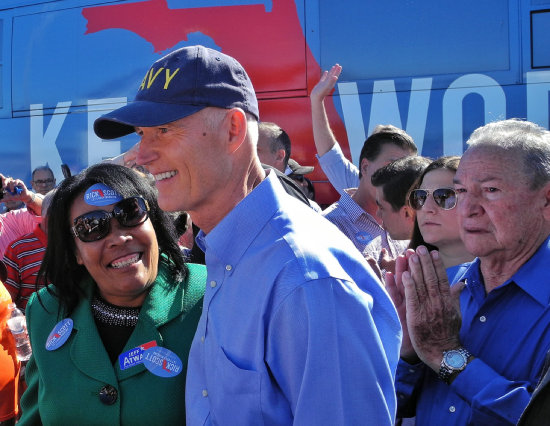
{"x":202,"y":339}
{"x":204,"y":393}
{"x":482,"y":318}
{"x":108,"y":395}
{"x":452,"y":409}
{"x":411,"y":370}
{"x":228,"y":267}
{"x":213,"y":284}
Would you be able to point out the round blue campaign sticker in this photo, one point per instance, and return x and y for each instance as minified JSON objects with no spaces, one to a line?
{"x":59,"y":334}
{"x":162,"y":362}
{"x":362,"y":237}
{"x":101,"y":195}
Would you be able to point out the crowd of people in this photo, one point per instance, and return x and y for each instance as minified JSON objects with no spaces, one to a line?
{"x":163,"y":287}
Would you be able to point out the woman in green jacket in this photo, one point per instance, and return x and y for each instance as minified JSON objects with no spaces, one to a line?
{"x":111,"y":334}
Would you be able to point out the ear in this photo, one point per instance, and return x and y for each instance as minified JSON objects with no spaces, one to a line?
{"x":408,"y":213}
{"x":546,"y":207}
{"x":78,"y":257}
{"x":281,"y":154}
{"x":364,"y":165}
{"x":237,"y":128}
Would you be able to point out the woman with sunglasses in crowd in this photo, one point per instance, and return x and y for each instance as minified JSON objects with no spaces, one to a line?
{"x":111,"y":334}
{"x":436,"y":224}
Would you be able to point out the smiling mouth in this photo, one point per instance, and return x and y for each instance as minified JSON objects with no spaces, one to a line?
{"x":126,"y":261}
{"x":165,"y":175}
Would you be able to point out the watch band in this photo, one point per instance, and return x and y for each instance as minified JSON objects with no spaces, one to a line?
{"x":447,"y":371}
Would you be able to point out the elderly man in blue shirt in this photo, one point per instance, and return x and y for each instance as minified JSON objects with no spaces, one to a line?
{"x":295,"y":327}
{"x":474,"y":352}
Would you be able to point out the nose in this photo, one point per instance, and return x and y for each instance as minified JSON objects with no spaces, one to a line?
{"x":146,"y":152}
{"x":119,"y":234}
{"x":430,"y":205}
{"x":468,"y":204}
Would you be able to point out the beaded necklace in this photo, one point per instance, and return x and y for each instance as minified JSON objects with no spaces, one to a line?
{"x":109,"y":314}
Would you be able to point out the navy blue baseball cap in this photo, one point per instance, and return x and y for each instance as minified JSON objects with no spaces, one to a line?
{"x":178,"y":85}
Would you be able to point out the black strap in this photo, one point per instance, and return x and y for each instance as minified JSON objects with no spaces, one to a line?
{"x":291,"y":187}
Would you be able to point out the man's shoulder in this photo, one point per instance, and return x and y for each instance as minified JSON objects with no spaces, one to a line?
{"x":315,"y":243}
{"x":331,"y":210}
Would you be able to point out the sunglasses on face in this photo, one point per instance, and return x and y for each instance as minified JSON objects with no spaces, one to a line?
{"x":96,"y":224}
{"x":43,"y":182}
{"x":445,"y":198}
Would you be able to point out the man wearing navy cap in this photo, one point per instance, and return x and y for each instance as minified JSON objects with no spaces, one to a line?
{"x":295,"y":326}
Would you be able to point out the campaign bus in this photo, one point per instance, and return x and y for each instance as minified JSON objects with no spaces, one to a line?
{"x":437,"y":69}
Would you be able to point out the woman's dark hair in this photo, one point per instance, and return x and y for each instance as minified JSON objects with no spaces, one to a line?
{"x":447,"y":163}
{"x":60,"y":267}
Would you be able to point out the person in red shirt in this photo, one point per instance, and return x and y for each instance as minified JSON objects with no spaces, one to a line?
{"x":23,"y":259}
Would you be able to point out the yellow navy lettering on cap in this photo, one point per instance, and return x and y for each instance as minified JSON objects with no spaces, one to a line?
{"x":152,"y":75}
{"x":169,"y":77}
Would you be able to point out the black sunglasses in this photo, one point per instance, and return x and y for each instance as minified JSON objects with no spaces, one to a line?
{"x":445,"y":198}
{"x":96,"y":224}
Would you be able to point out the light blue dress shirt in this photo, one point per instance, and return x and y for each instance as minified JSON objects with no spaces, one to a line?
{"x":295,"y":327}
{"x":508,"y":333}
{"x":340,"y":172}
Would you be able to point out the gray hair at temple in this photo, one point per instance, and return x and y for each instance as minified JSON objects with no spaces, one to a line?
{"x":527,"y":141}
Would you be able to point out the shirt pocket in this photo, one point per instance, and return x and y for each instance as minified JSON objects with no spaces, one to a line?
{"x":234,"y":393}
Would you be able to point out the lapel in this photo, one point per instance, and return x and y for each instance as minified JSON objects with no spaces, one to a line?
{"x":87,"y":351}
{"x":162,"y":305}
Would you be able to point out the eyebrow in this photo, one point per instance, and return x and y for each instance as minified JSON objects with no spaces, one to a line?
{"x":481,"y":180}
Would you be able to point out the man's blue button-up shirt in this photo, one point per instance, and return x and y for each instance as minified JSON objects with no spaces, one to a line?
{"x":295,"y":327}
{"x":508,"y":332}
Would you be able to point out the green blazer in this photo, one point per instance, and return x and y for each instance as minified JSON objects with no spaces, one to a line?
{"x":64,"y":384}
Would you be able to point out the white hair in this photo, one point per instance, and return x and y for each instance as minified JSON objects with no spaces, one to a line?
{"x":528,"y":142}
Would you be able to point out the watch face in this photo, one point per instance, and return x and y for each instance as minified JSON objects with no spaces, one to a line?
{"x":454,"y":359}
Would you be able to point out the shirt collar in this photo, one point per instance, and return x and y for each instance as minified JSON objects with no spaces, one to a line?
{"x":352,"y":209}
{"x":532,"y":277}
{"x":237,"y":230}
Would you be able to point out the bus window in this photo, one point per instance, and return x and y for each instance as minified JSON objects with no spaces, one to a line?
{"x":419,"y":39}
{"x":540,"y":43}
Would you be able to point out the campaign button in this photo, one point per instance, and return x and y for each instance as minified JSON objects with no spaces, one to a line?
{"x":59,"y":334}
{"x":363,"y":237}
{"x":134,"y":356}
{"x":108,"y":395}
{"x":162,"y":362}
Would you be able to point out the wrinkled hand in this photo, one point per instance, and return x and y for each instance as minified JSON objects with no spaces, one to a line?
{"x":395,"y":288}
{"x":433,"y":310}
{"x":326,"y":83}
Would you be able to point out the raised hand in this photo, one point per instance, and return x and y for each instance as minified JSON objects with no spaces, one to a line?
{"x":395,"y":288}
{"x":433,"y":312}
{"x":326,"y":83}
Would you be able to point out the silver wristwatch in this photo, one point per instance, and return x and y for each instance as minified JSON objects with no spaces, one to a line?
{"x":453,"y":362}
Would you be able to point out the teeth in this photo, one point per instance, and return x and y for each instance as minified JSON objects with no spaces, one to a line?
{"x":126,"y":262}
{"x":165,"y":175}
